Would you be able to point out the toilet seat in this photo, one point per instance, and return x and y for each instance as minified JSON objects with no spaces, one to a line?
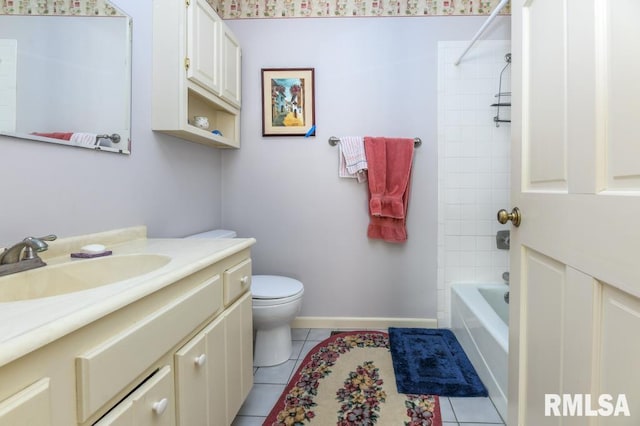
{"x":274,"y":290}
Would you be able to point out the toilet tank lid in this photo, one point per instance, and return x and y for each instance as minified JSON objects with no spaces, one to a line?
{"x":215,"y":233}
{"x":274,"y":287}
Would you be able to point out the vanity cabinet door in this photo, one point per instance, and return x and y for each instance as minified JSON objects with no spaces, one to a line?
{"x":217,"y":373}
{"x":231,"y":67}
{"x":214,"y":370}
{"x":203,"y":39}
{"x":191,"y":382}
{"x":239,"y":347}
{"x":149,"y":405}
{"x":28,"y":407}
{"x":200,"y":378}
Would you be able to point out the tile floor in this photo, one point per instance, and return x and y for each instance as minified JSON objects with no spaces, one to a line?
{"x":269,"y":382}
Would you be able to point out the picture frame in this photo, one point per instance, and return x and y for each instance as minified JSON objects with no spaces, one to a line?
{"x":288,"y":102}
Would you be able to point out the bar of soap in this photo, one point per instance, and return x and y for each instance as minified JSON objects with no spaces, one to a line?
{"x":93,"y":249}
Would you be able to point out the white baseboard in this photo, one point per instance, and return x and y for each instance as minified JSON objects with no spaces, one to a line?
{"x":362,"y":323}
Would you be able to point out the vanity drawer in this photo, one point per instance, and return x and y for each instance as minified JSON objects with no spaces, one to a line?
{"x":108,"y":368}
{"x":237,"y":280}
{"x":150,"y":404}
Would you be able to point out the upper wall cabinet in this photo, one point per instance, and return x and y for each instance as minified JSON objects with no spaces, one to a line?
{"x":196,"y":73}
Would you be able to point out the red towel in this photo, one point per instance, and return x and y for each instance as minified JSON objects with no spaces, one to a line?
{"x":55,"y":135}
{"x":389,"y":161}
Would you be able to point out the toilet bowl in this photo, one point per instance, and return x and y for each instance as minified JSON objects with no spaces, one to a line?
{"x":276,"y":302}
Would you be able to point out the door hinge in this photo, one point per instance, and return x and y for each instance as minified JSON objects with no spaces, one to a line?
{"x":187,"y":63}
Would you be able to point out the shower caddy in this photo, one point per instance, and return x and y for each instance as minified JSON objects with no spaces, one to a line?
{"x":501,"y":94}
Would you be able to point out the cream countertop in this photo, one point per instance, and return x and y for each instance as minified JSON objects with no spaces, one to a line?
{"x":30,"y":324}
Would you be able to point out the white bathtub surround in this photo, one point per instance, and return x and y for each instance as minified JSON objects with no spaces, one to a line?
{"x":473,"y":166}
{"x":478,"y":314}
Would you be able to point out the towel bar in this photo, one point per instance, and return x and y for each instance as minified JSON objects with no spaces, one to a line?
{"x":333,"y":141}
{"x":115,"y":138}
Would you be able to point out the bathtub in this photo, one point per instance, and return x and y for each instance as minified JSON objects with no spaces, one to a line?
{"x":479,"y":319}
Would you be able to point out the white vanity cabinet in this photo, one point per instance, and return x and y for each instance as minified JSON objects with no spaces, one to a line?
{"x":180,"y":355}
{"x":196,"y":72}
{"x":214,"y":370}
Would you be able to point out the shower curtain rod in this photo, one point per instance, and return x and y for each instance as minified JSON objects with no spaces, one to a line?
{"x":484,"y":26}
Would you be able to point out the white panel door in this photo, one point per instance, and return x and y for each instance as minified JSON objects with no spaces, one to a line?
{"x":232,"y":67}
{"x":575,"y":259}
{"x":203,"y":45}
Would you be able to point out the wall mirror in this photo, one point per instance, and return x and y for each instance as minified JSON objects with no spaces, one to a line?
{"x":67,"y":80}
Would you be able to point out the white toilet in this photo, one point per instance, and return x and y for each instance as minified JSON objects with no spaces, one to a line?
{"x":276,"y":302}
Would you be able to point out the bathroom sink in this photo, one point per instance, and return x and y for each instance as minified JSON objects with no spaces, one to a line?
{"x":77,"y":275}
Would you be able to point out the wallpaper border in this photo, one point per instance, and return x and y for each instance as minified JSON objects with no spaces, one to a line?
{"x":269,"y":9}
{"x":255,"y":9}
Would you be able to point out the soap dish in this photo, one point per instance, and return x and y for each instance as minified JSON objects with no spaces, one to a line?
{"x":91,"y":255}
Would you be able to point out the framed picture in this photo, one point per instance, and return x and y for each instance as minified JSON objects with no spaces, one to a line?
{"x":288,"y":102}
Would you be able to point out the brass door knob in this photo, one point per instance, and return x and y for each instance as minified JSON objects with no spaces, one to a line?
{"x":515,"y":217}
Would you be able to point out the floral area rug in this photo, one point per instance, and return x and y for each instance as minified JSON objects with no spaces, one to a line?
{"x":348,"y":380}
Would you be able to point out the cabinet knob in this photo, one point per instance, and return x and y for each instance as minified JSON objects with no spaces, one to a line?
{"x":159,"y":407}
{"x":200,"y":360}
{"x":244,"y":280}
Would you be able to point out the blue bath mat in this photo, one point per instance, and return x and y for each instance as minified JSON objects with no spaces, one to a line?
{"x":431,"y":362}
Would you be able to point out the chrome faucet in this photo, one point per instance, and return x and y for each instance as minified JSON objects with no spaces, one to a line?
{"x":25,"y":249}
{"x":23,"y":255}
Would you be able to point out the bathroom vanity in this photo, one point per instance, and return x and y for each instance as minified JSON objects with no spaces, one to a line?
{"x":169,"y":346}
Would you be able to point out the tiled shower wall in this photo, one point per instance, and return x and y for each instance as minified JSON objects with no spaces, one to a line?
{"x":473,"y":166}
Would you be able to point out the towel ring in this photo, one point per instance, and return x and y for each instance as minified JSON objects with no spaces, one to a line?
{"x":333,"y":141}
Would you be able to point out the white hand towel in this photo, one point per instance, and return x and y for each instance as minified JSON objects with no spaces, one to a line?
{"x":353,"y":162}
{"x":83,"y":139}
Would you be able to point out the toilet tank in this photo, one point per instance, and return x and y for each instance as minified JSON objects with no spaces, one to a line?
{"x":215,"y":233}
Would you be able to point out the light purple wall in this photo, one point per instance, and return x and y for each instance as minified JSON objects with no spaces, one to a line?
{"x":172,"y":186}
{"x":374,"y":76}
